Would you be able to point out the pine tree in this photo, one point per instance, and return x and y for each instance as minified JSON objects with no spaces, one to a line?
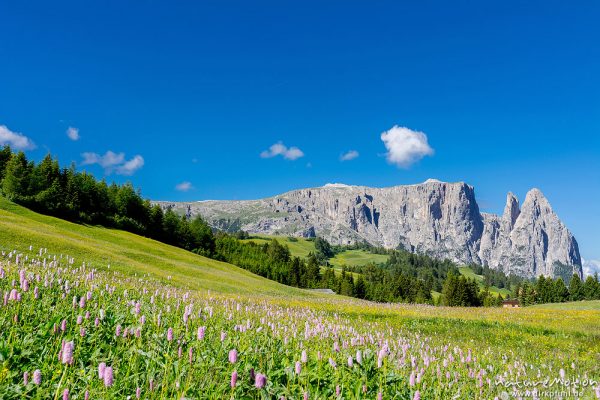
{"x":313,"y":273}
{"x":17,"y":174}
{"x":449,"y":290}
{"x":5,"y":155}
{"x":591,"y":288}
{"x":560,"y":291}
{"x":576,"y":289}
{"x":360,"y":287}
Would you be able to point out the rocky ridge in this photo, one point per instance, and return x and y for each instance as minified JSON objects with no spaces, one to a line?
{"x":436,"y":218}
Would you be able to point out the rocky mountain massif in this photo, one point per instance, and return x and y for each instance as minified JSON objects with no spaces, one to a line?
{"x":435,"y":218}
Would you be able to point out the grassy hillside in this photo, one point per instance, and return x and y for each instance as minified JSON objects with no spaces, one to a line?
{"x":301,"y":247}
{"x":532,"y":335}
{"x":357,"y":257}
{"x":469,"y":273}
{"x":126,"y":252}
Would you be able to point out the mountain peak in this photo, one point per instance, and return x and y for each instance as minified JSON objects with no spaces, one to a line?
{"x":511,"y":210}
{"x":534,"y":194}
{"x":536,"y":197}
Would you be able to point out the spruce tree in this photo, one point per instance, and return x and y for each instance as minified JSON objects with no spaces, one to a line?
{"x":576,"y":289}
{"x":15,"y":184}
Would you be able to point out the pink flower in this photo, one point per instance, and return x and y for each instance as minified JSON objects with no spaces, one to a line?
{"x":260,"y":381}
{"x":138,"y":393}
{"x":304,"y":357}
{"x":201,"y":330}
{"x":350,"y":362}
{"x":108,"y":377}
{"x":67,"y":353}
{"x":66,"y":394}
{"x":417,"y":395}
{"x":233,"y":356}
{"x":338,"y":390}
{"x":234,"y":377}
{"x":298,"y":367}
{"x":411,"y":381}
{"x":170,"y":334}
{"x":379,"y":396}
{"x":223,"y":336}
{"x":101,"y":369}
{"x":37,"y":377}
{"x":25,"y":378}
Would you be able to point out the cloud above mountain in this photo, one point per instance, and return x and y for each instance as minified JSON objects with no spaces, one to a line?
{"x":114,"y":162}
{"x":405,"y":146}
{"x":590,"y":267}
{"x":279,"y":149}
{"x":15,"y":140}
{"x":184,"y":186}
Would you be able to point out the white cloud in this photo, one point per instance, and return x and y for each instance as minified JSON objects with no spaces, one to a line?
{"x":279,"y":149}
{"x":114,"y":162}
{"x":15,"y":140}
{"x":405,"y":146}
{"x":590,"y":267}
{"x":350,"y":155}
{"x":73,"y":133}
{"x":131,"y":166}
{"x":108,"y":160}
{"x":184,"y":186}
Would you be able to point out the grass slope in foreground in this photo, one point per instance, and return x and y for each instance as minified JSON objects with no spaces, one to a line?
{"x":354,"y":347}
{"x":129,"y":253}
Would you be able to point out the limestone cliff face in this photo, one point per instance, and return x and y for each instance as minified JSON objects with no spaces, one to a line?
{"x":531,"y":241}
{"x":436,"y":218}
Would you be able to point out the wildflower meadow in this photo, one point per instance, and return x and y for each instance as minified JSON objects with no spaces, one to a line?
{"x":70,"y":330}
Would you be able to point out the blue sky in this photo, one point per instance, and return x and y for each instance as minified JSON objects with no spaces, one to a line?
{"x":507,"y":94}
